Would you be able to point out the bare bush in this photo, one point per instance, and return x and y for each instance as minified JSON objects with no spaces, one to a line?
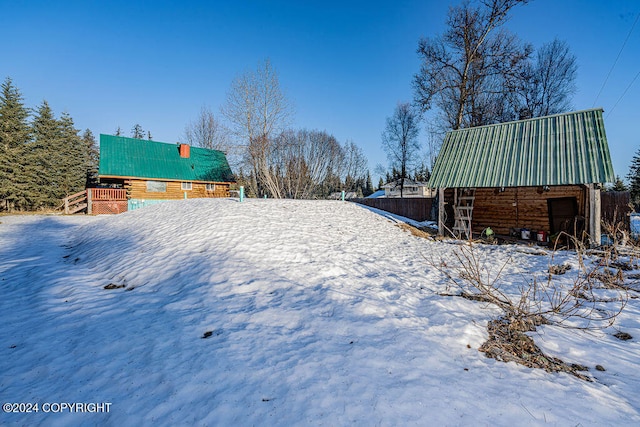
{"x":569,"y":303}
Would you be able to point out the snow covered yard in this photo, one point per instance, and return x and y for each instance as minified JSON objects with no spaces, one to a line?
{"x":276,"y":313}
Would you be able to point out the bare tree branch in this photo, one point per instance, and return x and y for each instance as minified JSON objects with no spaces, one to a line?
{"x":258,"y":110}
{"x":400,"y":140}
{"x":206,"y":131}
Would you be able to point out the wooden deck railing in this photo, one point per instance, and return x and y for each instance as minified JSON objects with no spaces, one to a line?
{"x":108,"y":200}
{"x":107,"y":194}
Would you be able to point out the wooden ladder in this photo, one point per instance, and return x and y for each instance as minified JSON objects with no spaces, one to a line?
{"x":463,"y":212}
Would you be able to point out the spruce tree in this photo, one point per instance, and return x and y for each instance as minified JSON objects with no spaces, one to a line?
{"x":368,"y":189}
{"x":14,"y":136}
{"x":422,"y":174}
{"x":137,"y":132}
{"x":618,"y":185}
{"x":634,"y":179}
{"x":93,"y":158}
{"x":43,"y":156}
{"x":74,"y":157}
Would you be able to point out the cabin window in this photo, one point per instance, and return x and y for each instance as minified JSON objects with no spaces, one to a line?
{"x":156,"y":187}
{"x":187,"y":186}
{"x":211,"y":187}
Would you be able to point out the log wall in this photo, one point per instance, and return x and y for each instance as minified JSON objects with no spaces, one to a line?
{"x":137,"y":189}
{"x":520,"y":207}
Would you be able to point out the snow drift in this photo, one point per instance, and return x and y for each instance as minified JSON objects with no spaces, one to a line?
{"x":275,"y":313}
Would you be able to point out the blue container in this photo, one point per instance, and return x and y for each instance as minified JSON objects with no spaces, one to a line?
{"x":635,"y":225}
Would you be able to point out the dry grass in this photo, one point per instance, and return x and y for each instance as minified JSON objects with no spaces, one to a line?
{"x":509,"y":344}
{"x":416,"y":231}
{"x":27,"y":213}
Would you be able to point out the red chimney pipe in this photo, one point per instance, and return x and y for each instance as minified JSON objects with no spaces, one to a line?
{"x":185,"y":152}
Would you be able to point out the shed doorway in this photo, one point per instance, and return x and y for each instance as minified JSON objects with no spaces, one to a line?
{"x":563,"y":215}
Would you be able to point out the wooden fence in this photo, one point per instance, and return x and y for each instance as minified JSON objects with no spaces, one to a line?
{"x":416,"y":208}
{"x":615,"y":207}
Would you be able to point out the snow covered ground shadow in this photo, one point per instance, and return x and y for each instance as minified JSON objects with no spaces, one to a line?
{"x":314,"y":312}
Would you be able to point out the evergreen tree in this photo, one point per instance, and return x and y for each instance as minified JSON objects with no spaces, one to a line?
{"x":380,"y":183}
{"x":368,"y":189}
{"x":331,"y":184}
{"x":634,"y":179}
{"x":14,"y":136}
{"x":350,"y":183}
{"x":395,"y":174}
{"x":422,"y":174}
{"x":57,"y":159}
{"x":93,"y":158}
{"x":43,"y":154}
{"x":137,"y":132}
{"x":619,"y":185}
{"x":74,"y":157}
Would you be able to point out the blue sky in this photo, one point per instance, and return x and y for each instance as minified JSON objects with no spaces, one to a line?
{"x":344,"y":64}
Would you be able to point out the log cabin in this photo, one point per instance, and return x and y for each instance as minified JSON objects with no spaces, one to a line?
{"x":541,"y":174}
{"x":153,"y":171}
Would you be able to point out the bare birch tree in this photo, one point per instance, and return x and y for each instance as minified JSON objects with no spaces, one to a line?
{"x":545,"y":86}
{"x":305,"y":159}
{"x":400,"y":140}
{"x":258,"y":111}
{"x":462,"y":70}
{"x":206,"y":131}
{"x":354,"y":166}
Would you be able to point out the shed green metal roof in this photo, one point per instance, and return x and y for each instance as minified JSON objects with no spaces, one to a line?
{"x":562,"y":149}
{"x":139,"y":158}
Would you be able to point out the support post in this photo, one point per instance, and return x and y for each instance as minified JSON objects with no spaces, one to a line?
{"x":342,"y":195}
{"x":89,"y":201}
{"x":241,"y":193}
{"x":441,"y":211}
{"x":594,"y":215}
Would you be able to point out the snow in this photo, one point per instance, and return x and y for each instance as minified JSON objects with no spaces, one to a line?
{"x":317,"y":313}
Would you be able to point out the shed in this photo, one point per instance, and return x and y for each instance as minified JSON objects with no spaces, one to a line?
{"x":153,"y":171}
{"x":539,"y":174}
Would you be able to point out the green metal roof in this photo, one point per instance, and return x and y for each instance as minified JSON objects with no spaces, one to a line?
{"x":139,"y":158}
{"x":562,"y":149}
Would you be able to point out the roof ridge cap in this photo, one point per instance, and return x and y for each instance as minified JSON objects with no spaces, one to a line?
{"x":529,"y":120}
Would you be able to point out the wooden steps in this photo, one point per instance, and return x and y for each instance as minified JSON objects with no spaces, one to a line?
{"x":77,"y":208}
{"x":75,"y":203}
